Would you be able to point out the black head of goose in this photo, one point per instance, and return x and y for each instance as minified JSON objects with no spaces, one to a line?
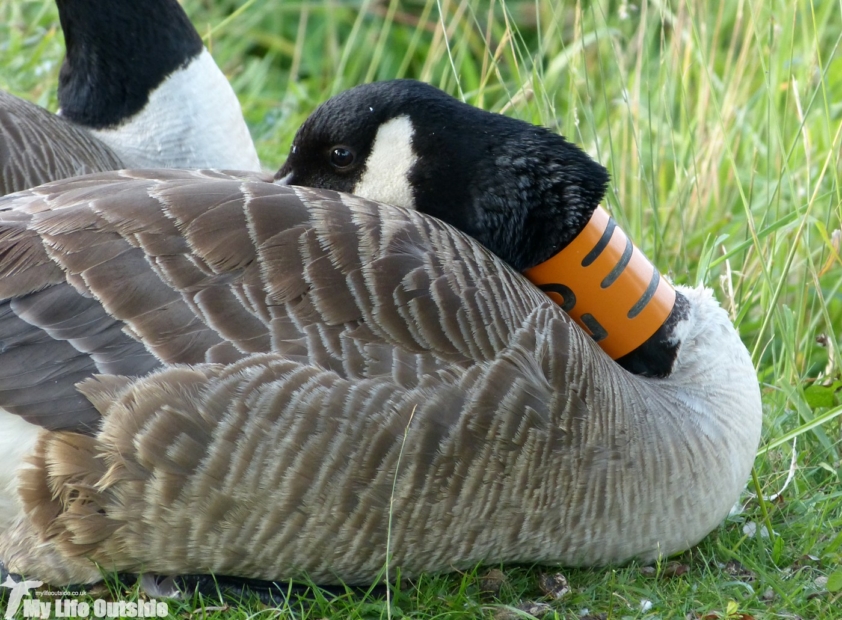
{"x":137,"y":89}
{"x":235,"y":377}
{"x":524,"y":192}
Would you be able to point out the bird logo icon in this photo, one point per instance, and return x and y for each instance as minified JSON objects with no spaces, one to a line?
{"x":19,"y":588}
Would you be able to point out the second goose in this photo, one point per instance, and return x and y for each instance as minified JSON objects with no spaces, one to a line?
{"x":137,"y":89}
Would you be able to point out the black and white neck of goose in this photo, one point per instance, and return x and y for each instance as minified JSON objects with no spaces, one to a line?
{"x":526,"y":193}
{"x":139,"y":78}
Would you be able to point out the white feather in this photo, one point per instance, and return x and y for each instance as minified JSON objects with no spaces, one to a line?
{"x":17,"y":441}
{"x":193,"y":120}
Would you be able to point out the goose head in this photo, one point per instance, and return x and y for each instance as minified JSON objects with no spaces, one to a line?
{"x":523,"y":191}
{"x":137,"y":75}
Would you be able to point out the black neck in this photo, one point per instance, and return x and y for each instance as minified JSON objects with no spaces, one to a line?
{"x":656,"y":357}
{"x":118,"y":51}
{"x":525,"y":209}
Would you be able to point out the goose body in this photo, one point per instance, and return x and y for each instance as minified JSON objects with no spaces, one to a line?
{"x":137,"y":89}
{"x":229,"y":376}
{"x":319,"y":362}
{"x":37,"y":146}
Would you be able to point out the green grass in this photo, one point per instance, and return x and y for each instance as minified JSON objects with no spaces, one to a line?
{"x":721,"y":124}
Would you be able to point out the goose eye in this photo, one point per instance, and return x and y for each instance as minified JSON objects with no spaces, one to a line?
{"x":341,"y":156}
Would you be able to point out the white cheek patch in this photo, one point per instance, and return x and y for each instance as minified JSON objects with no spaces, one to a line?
{"x":386,"y":176}
{"x":284,"y":180}
{"x":192,"y":120}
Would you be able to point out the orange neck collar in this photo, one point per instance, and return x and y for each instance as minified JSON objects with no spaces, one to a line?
{"x":607,"y":286}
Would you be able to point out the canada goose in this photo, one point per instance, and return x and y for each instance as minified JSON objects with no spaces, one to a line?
{"x":269,"y":382}
{"x":137,"y":89}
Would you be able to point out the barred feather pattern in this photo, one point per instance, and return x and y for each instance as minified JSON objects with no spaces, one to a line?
{"x":37,"y":147}
{"x":295,"y":382}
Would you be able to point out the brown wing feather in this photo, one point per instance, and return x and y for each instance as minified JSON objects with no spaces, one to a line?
{"x":366,"y":299}
{"x":37,"y":146}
